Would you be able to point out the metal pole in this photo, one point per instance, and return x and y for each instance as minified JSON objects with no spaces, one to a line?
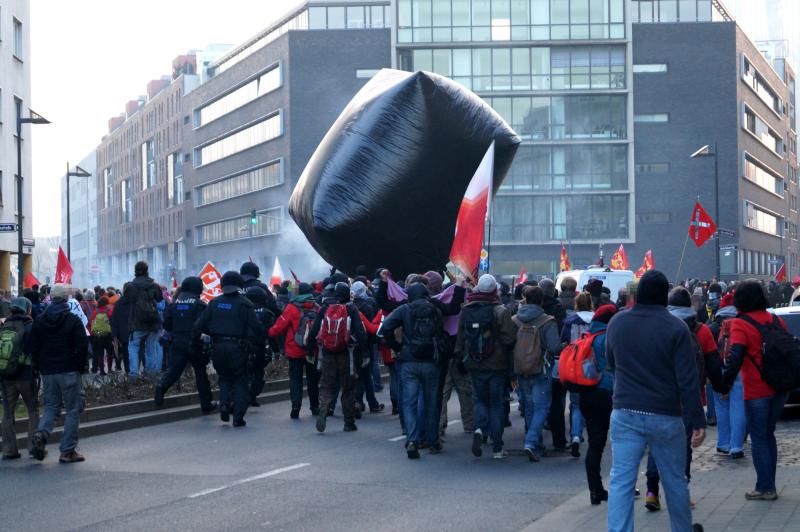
{"x":20,"y":258}
{"x":716,"y":208}
{"x":69,"y":241}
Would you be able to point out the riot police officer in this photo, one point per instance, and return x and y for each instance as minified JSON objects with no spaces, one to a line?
{"x":264,"y":349}
{"x":179,"y":318}
{"x":232,"y":324}
{"x":251,"y":273}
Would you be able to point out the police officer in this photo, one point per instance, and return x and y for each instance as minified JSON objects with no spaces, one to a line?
{"x":179,"y":318}
{"x":264,"y":349}
{"x":250,"y":273}
{"x":232,"y":324}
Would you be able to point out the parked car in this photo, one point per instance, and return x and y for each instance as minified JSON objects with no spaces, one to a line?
{"x":791,"y":317}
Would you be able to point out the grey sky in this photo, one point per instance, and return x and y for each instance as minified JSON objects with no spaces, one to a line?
{"x":91,"y":56}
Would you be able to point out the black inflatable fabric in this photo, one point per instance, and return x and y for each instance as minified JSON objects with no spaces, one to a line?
{"x":384,"y":186}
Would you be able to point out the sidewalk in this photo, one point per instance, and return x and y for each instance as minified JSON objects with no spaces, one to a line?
{"x":718,"y":487}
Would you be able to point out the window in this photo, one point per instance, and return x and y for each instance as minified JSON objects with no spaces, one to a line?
{"x":355,"y":17}
{"x":108,"y":188}
{"x":761,"y":175}
{"x":651,"y":168}
{"x":269,"y":222}
{"x":762,"y":220}
{"x":650,"y":118}
{"x":654,"y":217}
{"x":174,"y":179}
{"x":646,"y":11}
{"x":262,"y":84}
{"x":652,"y":68}
{"x":17,"y":110}
{"x":755,"y":81}
{"x":148,"y":165}
{"x":316,"y":18}
{"x":260,"y":178}
{"x":18,"y":39}
{"x":126,"y":202}
{"x":263,"y":131}
{"x":760,"y":130}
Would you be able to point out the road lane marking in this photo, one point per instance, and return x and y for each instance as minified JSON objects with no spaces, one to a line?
{"x":248,"y":479}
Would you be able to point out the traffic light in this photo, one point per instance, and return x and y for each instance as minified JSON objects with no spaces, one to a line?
{"x":253,"y":217}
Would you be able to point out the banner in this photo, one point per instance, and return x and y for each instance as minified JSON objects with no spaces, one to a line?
{"x":781,"y":275}
{"x":212,"y":282}
{"x":619,"y":261}
{"x":277,"y":274}
{"x":63,"y":268}
{"x":564,"y":265}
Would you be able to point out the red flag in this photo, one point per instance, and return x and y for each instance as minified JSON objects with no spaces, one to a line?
{"x":564,"y":264}
{"x":212,"y":282}
{"x":781,"y":275}
{"x":277,"y":274}
{"x":619,"y":261}
{"x":30,"y":280}
{"x":174,"y":280}
{"x":647,"y":265}
{"x":63,"y":268}
{"x":523,"y":275}
{"x":701,"y":227}
{"x":465,"y":253}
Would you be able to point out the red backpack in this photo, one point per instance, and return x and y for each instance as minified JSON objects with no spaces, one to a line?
{"x":334,"y":333}
{"x":577,"y":367}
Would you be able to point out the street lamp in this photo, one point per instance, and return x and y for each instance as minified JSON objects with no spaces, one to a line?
{"x":33,"y":118}
{"x":79,"y":172}
{"x":706,"y":151}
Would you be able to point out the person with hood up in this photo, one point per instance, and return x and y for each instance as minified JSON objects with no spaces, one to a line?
{"x":179,"y":319}
{"x":145,"y":322}
{"x":706,"y":362}
{"x":485,"y":337}
{"x":568,"y":294}
{"x":365,"y":386}
{"x":60,"y":349}
{"x":595,"y":404}
{"x":419,"y":351}
{"x":20,"y":382}
{"x":231,"y":323}
{"x":251,"y":274}
{"x":298,"y":318}
{"x":339,"y":335}
{"x":534,"y":385}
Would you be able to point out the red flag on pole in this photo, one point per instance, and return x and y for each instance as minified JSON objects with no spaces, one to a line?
{"x":564,"y":264}
{"x":30,"y":280}
{"x":523,"y":275}
{"x":174,"y":280}
{"x":619,"y":261}
{"x":465,"y":253}
{"x":701,"y":227}
{"x":212,"y":282}
{"x":781,"y":275}
{"x":63,"y":268}
{"x":647,"y":265}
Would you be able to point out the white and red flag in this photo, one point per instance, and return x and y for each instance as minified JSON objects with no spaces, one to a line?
{"x":277,"y":274}
{"x":212,"y":282}
{"x":701,"y":227}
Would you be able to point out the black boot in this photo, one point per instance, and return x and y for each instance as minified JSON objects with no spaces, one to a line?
{"x":596,"y":497}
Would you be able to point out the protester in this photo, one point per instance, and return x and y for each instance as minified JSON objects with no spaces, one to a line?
{"x":145,"y":323}
{"x":59,"y":346}
{"x":102,"y":339}
{"x":730,"y":416}
{"x":568,"y":294}
{"x":251,"y":273}
{"x":17,"y":378}
{"x":655,"y":384}
{"x":263,"y":352}
{"x":762,"y":404}
{"x":120,"y":322}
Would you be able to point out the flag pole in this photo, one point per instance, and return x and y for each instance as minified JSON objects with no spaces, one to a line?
{"x":685,"y":242}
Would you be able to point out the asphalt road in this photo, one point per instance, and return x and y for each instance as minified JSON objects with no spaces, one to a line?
{"x":279,"y":474}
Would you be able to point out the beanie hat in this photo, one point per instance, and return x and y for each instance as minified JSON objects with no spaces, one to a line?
{"x":435,"y":281}
{"x":192,"y":285}
{"x":342,"y":292}
{"x":251,"y":269}
{"x":548,"y":286}
{"x":304,"y":288}
{"x":257,"y":295}
{"x":486,"y":284}
{"x":232,"y":282}
{"x":595,"y":287}
{"x":653,"y":289}
{"x":21,"y":304}
{"x":604,"y":313}
{"x":60,"y":291}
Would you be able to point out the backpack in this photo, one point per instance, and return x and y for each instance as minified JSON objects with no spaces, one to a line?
{"x":144,"y":309}
{"x":423,"y":336}
{"x":334,"y":333}
{"x":101,"y":326}
{"x":528,"y":350}
{"x":479,"y":336}
{"x":307,"y":318}
{"x":577,"y":366}
{"x":11,"y":356}
{"x":780,"y":355}
{"x":723,"y":342}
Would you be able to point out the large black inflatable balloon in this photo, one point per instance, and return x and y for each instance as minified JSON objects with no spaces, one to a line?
{"x":384,"y":186}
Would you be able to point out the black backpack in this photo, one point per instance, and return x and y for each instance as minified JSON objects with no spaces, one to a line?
{"x":144,"y":308}
{"x":479,"y":334}
{"x":423,"y":337}
{"x":780,"y":355}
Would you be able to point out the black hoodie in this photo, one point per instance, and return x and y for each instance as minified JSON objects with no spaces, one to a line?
{"x":59,"y":343}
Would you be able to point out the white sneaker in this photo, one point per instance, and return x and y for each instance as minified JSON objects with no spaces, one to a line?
{"x":499,"y":455}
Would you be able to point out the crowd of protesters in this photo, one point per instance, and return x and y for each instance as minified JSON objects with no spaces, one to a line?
{"x":657,"y":354}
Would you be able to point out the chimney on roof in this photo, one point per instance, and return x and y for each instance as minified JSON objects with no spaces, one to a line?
{"x":184,"y":65}
{"x":114,"y":122}
{"x":131,"y":107}
{"x":156,"y":86}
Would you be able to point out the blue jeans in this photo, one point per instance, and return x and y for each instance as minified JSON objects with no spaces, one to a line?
{"x":711,"y":402}
{"x":66,"y":389}
{"x":731,"y":421}
{"x":575,"y":417}
{"x":762,"y":415}
{"x":394,"y":384}
{"x":488,"y":395}
{"x":152,"y":355}
{"x":377,"y":383}
{"x":631,"y":433}
{"x":420,"y":378}
{"x":536,"y":397}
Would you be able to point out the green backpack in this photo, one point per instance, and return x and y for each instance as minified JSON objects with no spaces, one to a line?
{"x":11,"y":356}
{"x":101,"y":326}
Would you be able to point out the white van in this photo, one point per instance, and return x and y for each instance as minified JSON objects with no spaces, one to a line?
{"x":613,"y":279}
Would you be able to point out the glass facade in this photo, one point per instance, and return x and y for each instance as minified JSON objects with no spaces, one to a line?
{"x":755,"y":81}
{"x":762,"y":176}
{"x":761,"y":130}
{"x":509,"y":20}
{"x":264,"y":131}
{"x":269,"y":222}
{"x":148,"y":165}
{"x":266,"y":176}
{"x":761,"y":220}
{"x":259,"y":86}
{"x":646,"y":11}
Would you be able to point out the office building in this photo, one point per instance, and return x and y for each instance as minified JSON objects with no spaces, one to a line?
{"x":81,"y":245}
{"x":249,"y":130}
{"x":15,"y":96}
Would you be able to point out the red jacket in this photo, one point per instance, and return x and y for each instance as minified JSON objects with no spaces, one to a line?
{"x":287,"y":325}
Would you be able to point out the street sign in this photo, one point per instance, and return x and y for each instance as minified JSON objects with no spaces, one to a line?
{"x":8,"y":228}
{"x":775,"y":261}
{"x":726,"y":232}
{"x":728,"y":247}
{"x":30,"y":242}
